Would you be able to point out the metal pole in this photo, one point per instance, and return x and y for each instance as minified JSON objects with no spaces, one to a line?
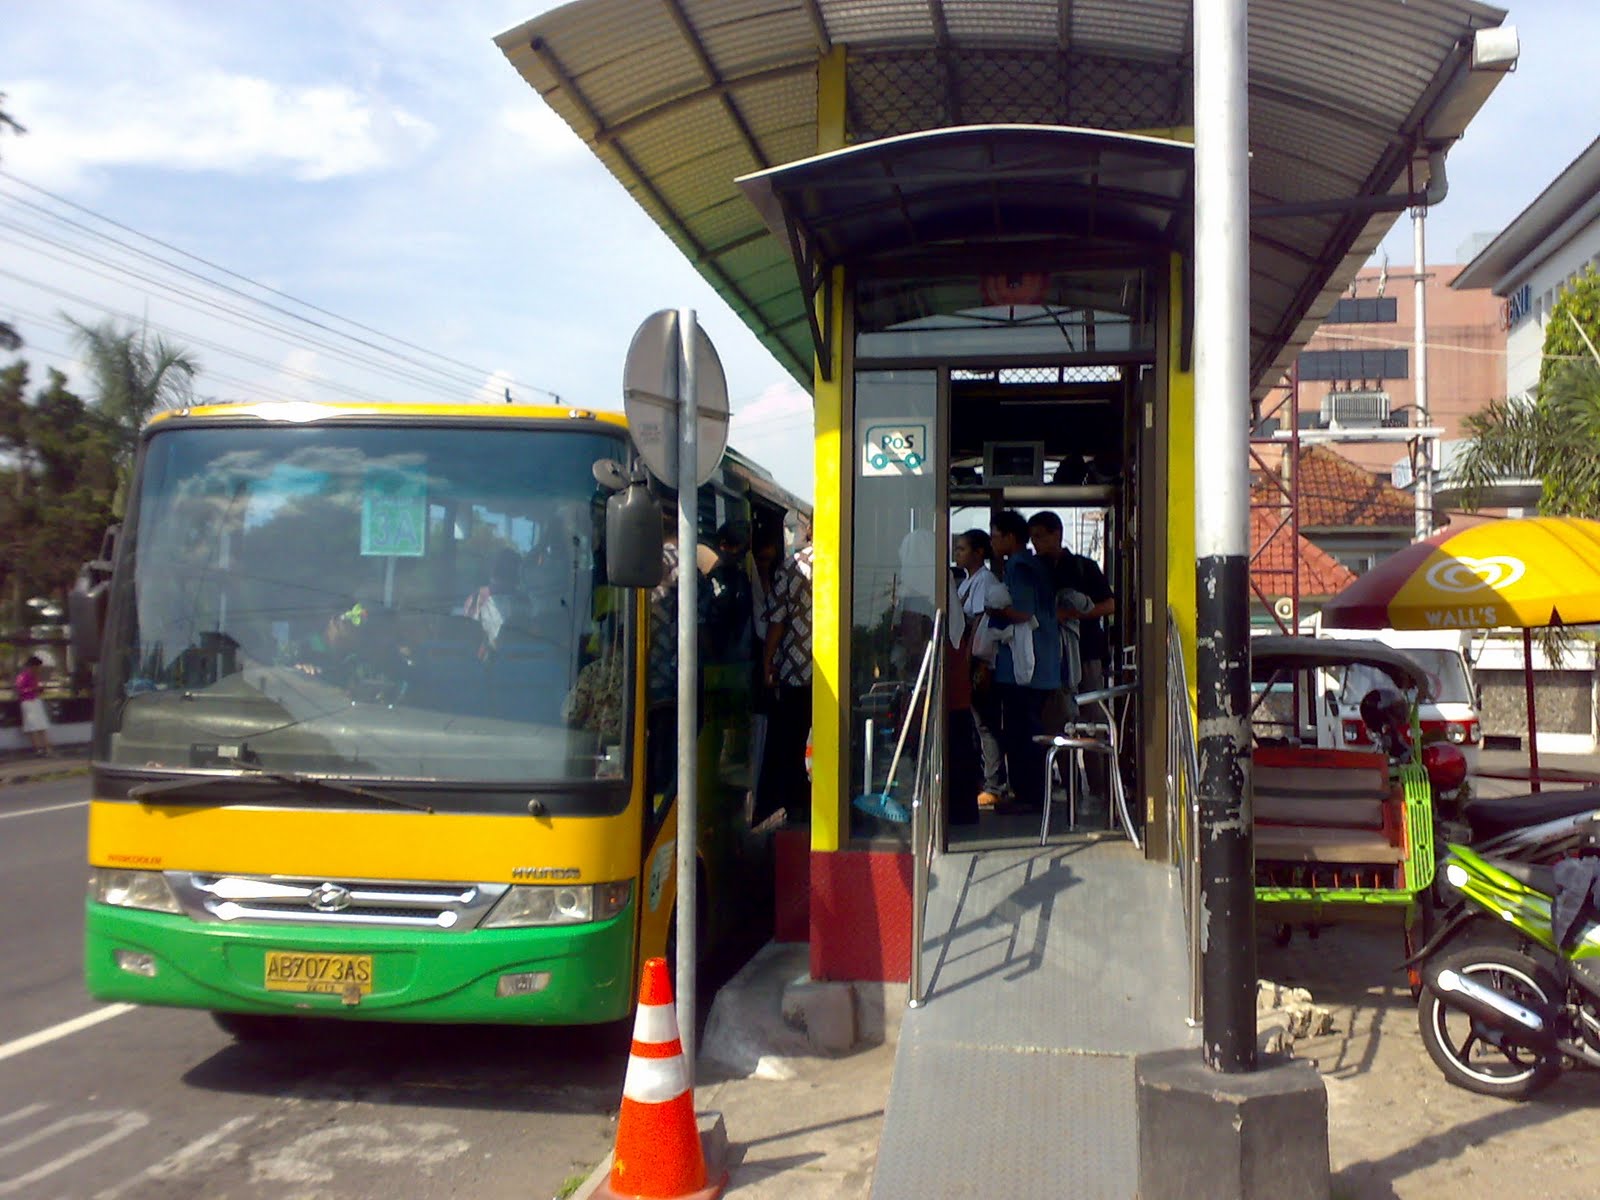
{"x":1533,"y":723}
{"x":1419,"y":291}
{"x":921,"y":834}
{"x":1222,"y":532}
{"x":1294,"y":510}
{"x":688,"y":674}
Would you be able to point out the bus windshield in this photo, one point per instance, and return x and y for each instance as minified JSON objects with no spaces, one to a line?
{"x":367,"y":600}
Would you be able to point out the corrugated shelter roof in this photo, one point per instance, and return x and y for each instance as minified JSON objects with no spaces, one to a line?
{"x":1335,"y":493}
{"x":681,"y":97}
{"x":1272,"y":569}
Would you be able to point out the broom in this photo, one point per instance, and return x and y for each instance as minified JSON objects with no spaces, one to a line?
{"x":881,"y":804}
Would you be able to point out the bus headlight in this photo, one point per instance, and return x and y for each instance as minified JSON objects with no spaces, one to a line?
{"x":558,"y":904}
{"x":133,"y":889}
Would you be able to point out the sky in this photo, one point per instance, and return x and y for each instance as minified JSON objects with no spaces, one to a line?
{"x":385,"y":163}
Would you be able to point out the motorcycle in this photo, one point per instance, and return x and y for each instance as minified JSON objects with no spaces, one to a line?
{"x":1504,"y":1020}
{"x":1539,"y":827}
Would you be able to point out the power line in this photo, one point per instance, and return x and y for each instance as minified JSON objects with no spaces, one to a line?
{"x":244,"y":321}
{"x":34,"y":349}
{"x":210,"y":307}
{"x":141,"y":276}
{"x":262,"y":286}
{"x":189,"y":338}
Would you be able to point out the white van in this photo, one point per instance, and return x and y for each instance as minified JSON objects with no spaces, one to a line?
{"x":1453,"y":712}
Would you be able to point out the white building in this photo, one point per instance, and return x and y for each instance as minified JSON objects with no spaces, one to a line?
{"x":1549,"y":243}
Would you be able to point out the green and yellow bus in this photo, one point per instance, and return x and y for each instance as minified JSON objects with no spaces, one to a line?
{"x":372,"y":731}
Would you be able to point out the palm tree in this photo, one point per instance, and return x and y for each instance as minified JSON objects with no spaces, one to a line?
{"x":1555,"y":438}
{"x":134,"y":374}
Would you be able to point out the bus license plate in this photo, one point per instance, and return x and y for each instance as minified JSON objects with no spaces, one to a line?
{"x":333,"y":974}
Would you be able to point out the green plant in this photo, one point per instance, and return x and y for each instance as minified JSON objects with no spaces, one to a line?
{"x":569,"y":1185}
{"x":1573,"y":330}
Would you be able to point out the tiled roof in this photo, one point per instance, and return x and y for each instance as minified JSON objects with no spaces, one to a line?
{"x":1272,"y":570}
{"x":1335,"y":493}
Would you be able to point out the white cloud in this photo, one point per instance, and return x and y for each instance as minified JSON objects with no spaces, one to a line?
{"x":210,"y":121}
{"x":493,"y":390}
{"x":537,"y":128}
{"x":776,"y":430}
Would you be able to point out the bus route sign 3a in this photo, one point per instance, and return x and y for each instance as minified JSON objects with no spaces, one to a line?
{"x":394,"y":514}
{"x":895,"y":447}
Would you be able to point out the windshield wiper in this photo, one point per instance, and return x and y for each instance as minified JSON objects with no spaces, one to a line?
{"x":145,"y":791}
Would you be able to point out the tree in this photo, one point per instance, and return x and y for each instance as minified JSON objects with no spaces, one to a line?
{"x":1573,"y":330}
{"x":134,"y":374}
{"x":1555,"y":436}
{"x":56,"y":493}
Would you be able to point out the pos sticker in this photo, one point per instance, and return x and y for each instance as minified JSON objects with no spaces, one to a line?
{"x":895,"y":446}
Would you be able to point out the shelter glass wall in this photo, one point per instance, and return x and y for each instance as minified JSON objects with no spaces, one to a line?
{"x":944,"y":367}
{"x":898,"y":562}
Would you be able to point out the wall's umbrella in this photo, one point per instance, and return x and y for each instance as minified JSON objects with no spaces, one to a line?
{"x":1527,"y":573}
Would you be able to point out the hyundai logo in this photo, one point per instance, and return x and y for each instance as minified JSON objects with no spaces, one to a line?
{"x":329,"y":898}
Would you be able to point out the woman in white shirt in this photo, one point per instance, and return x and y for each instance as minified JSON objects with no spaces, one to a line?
{"x":979,"y":591}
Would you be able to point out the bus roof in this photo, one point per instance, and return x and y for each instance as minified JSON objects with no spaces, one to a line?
{"x":303,"y":411}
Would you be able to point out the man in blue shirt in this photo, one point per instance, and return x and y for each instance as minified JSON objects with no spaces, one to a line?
{"x":1032,"y":615}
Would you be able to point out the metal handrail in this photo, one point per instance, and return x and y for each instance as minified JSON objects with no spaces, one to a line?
{"x":926,"y":804}
{"x":1183,"y":804}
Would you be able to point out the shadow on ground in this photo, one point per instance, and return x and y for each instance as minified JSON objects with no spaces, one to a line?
{"x":1396,"y":1127}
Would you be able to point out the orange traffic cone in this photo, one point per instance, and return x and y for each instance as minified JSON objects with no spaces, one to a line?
{"x":658,"y":1152}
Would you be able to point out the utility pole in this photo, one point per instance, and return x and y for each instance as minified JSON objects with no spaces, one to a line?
{"x":1222,"y":534}
{"x":1423,"y":484}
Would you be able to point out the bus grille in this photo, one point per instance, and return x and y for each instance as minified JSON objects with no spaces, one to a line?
{"x":398,"y":904}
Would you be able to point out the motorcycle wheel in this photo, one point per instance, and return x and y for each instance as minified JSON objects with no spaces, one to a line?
{"x":1455,"y":1040}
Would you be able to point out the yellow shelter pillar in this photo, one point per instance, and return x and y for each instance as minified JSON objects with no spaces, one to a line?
{"x":1180,"y":476}
{"x":830,"y":634}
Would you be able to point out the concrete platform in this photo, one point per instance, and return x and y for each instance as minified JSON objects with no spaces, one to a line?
{"x":1048,"y":969}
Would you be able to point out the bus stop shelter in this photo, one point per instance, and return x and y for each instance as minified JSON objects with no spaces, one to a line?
{"x":975,"y":216}
{"x":967,"y":226}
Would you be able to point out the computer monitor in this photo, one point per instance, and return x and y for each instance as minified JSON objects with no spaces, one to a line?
{"x":1013,"y":464}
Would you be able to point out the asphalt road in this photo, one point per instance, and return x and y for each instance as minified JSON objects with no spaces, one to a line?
{"x":119,"y":1103}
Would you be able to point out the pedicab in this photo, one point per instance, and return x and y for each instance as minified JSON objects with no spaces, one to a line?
{"x":1343,"y":834}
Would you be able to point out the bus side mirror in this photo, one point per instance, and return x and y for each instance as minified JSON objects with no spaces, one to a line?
{"x":633,"y":538}
{"x":88,"y":600}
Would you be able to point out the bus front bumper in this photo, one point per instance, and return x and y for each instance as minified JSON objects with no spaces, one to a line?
{"x":563,"y":975}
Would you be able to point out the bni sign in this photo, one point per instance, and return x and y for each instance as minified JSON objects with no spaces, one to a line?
{"x":893,"y":446}
{"x":1518,"y":305}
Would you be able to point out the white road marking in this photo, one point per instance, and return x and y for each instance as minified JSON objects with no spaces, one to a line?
{"x":179,"y":1161}
{"x":313,"y":1157}
{"x":122,"y":1122}
{"x":26,"y":1110}
{"x":65,"y":1029}
{"x":33,"y":812}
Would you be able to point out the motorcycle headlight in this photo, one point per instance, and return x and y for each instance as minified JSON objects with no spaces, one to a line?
{"x":133,"y":889}
{"x":1449,"y":882}
{"x":558,"y":904}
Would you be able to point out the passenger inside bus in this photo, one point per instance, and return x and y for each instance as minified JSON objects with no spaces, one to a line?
{"x":357,"y":649}
{"x":499,"y":603}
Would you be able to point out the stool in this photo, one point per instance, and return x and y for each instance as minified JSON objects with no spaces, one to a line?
{"x":1077,"y":742}
{"x":1105,"y":699}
